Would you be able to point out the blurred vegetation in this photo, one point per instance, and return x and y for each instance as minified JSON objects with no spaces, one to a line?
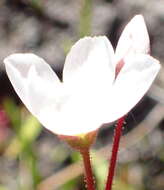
{"x":85,"y":18}
{"x":33,"y":158}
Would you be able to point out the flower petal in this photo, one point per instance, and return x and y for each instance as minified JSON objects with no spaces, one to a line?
{"x":46,"y":98}
{"x":132,"y":83}
{"x":89,"y":72}
{"x":33,"y":80}
{"x":134,"y":38}
{"x":90,"y":58}
{"x":87,"y":77}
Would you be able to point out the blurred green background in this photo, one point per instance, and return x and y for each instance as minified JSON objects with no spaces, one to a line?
{"x":32,"y":157}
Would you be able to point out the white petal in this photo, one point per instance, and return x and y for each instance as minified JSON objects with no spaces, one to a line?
{"x":72,"y":120}
{"x":132,"y":83}
{"x":134,"y":38}
{"x":90,"y":58}
{"x":89,"y":73}
{"x":58,"y":108}
{"x":84,"y":111}
{"x":87,"y":77}
{"x":33,"y":80}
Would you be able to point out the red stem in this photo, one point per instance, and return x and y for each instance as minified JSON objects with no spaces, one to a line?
{"x":88,"y":169}
{"x":117,"y":136}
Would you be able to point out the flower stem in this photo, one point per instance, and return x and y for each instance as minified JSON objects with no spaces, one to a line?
{"x":88,"y":169}
{"x":117,"y":136}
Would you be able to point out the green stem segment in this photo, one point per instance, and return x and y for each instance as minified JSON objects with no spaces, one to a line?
{"x":88,"y":169}
{"x":85,"y":18}
{"x":117,"y":136}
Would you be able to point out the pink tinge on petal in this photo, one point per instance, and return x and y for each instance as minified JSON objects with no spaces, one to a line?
{"x":132,"y":82}
{"x":119,"y":66}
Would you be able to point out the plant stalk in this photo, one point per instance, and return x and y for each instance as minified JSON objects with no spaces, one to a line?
{"x":117,"y":136}
{"x":88,"y":169}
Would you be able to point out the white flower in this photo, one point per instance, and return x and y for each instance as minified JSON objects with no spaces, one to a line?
{"x":98,"y":86}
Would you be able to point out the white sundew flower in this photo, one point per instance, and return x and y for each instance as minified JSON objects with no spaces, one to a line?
{"x":98,"y":85}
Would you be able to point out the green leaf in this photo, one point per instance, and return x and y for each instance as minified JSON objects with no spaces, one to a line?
{"x":13,"y":112}
{"x":100,"y":166}
{"x":30,"y":129}
{"x":3,"y":188}
{"x":85,"y":19}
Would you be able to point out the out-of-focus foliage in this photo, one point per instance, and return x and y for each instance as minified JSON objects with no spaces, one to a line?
{"x":26,"y":128}
{"x":100,"y":167}
{"x":85,"y":19}
{"x":25,"y":131}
